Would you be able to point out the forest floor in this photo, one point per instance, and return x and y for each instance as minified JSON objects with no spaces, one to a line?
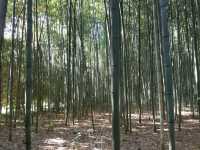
{"x":81,"y":136}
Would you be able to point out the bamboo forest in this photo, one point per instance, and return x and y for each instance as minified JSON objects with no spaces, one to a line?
{"x":99,"y":74}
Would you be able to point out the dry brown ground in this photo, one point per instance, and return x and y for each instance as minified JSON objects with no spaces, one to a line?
{"x":81,"y":136}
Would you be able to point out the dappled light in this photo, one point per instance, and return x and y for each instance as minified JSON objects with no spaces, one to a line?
{"x":81,"y":136}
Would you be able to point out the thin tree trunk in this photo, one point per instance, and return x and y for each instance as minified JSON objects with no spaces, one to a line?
{"x":167,"y":71}
{"x":196,"y":49}
{"x":3,"y":11}
{"x":139,"y":63}
{"x":11,"y":71}
{"x":115,"y":49}
{"x":28,"y":75}
{"x":158,"y":71}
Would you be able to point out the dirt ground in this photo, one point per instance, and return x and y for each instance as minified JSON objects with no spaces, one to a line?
{"x":81,"y":136}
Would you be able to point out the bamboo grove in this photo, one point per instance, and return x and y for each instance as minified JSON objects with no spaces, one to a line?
{"x":79,"y":65}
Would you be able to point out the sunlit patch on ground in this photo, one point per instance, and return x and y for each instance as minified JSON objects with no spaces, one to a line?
{"x":56,"y":141}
